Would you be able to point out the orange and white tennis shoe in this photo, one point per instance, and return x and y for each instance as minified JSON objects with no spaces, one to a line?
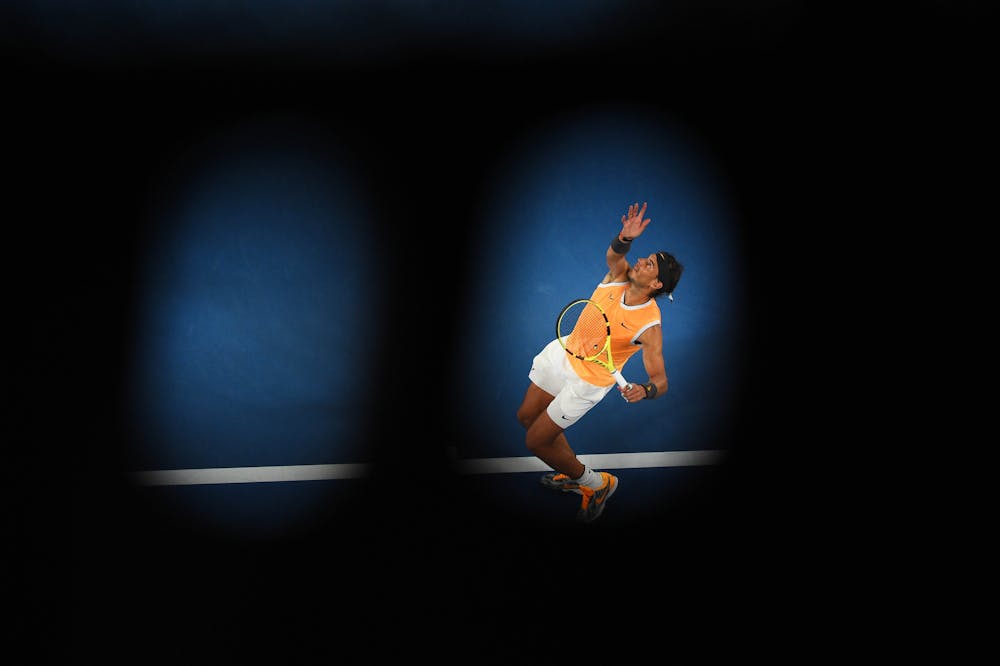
{"x":592,"y":505}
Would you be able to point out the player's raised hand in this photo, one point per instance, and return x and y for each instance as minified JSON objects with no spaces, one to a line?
{"x":633,"y":223}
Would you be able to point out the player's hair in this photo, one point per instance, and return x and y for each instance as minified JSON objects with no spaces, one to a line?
{"x":669,"y":273}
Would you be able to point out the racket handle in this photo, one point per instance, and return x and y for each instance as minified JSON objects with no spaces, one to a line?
{"x":621,"y":380}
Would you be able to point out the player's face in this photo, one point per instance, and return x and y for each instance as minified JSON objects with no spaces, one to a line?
{"x":645,"y":269}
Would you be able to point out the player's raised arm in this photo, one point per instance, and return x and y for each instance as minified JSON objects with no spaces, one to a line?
{"x":633,"y":225}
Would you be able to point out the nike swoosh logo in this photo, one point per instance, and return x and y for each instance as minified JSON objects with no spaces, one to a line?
{"x":561,"y":416}
{"x":624,"y":326}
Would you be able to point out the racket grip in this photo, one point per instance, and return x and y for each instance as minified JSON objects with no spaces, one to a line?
{"x":621,"y":380}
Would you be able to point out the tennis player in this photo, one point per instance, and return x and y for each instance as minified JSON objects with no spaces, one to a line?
{"x":563,"y":388}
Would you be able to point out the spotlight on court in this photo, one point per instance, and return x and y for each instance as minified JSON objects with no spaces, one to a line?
{"x":245,"y":354}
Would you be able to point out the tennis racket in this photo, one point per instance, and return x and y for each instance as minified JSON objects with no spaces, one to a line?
{"x":584,"y":331}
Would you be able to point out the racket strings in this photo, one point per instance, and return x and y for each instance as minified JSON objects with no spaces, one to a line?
{"x":589,"y":330}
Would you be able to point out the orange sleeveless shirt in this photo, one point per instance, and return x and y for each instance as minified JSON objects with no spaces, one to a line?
{"x":628,"y":322}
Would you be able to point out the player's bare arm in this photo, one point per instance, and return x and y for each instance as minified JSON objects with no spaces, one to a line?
{"x":652,"y":358}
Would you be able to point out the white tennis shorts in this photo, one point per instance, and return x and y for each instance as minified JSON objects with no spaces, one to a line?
{"x":551,"y":372}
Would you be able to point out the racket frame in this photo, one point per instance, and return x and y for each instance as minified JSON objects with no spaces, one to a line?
{"x":605,"y":351}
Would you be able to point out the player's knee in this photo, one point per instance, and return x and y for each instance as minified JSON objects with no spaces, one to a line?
{"x":525,"y":418}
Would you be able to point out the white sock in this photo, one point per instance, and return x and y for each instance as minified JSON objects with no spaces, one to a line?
{"x":590,"y":478}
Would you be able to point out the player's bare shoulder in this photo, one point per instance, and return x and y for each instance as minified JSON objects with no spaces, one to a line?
{"x":616,"y":276}
{"x":652,"y":338}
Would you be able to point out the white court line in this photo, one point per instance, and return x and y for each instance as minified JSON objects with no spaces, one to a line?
{"x":188,"y":477}
{"x":595,"y":460}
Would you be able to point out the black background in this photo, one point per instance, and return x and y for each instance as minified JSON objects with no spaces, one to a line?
{"x":98,"y":573}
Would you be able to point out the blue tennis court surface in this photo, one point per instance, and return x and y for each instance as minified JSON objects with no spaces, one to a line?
{"x":251,"y":334}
